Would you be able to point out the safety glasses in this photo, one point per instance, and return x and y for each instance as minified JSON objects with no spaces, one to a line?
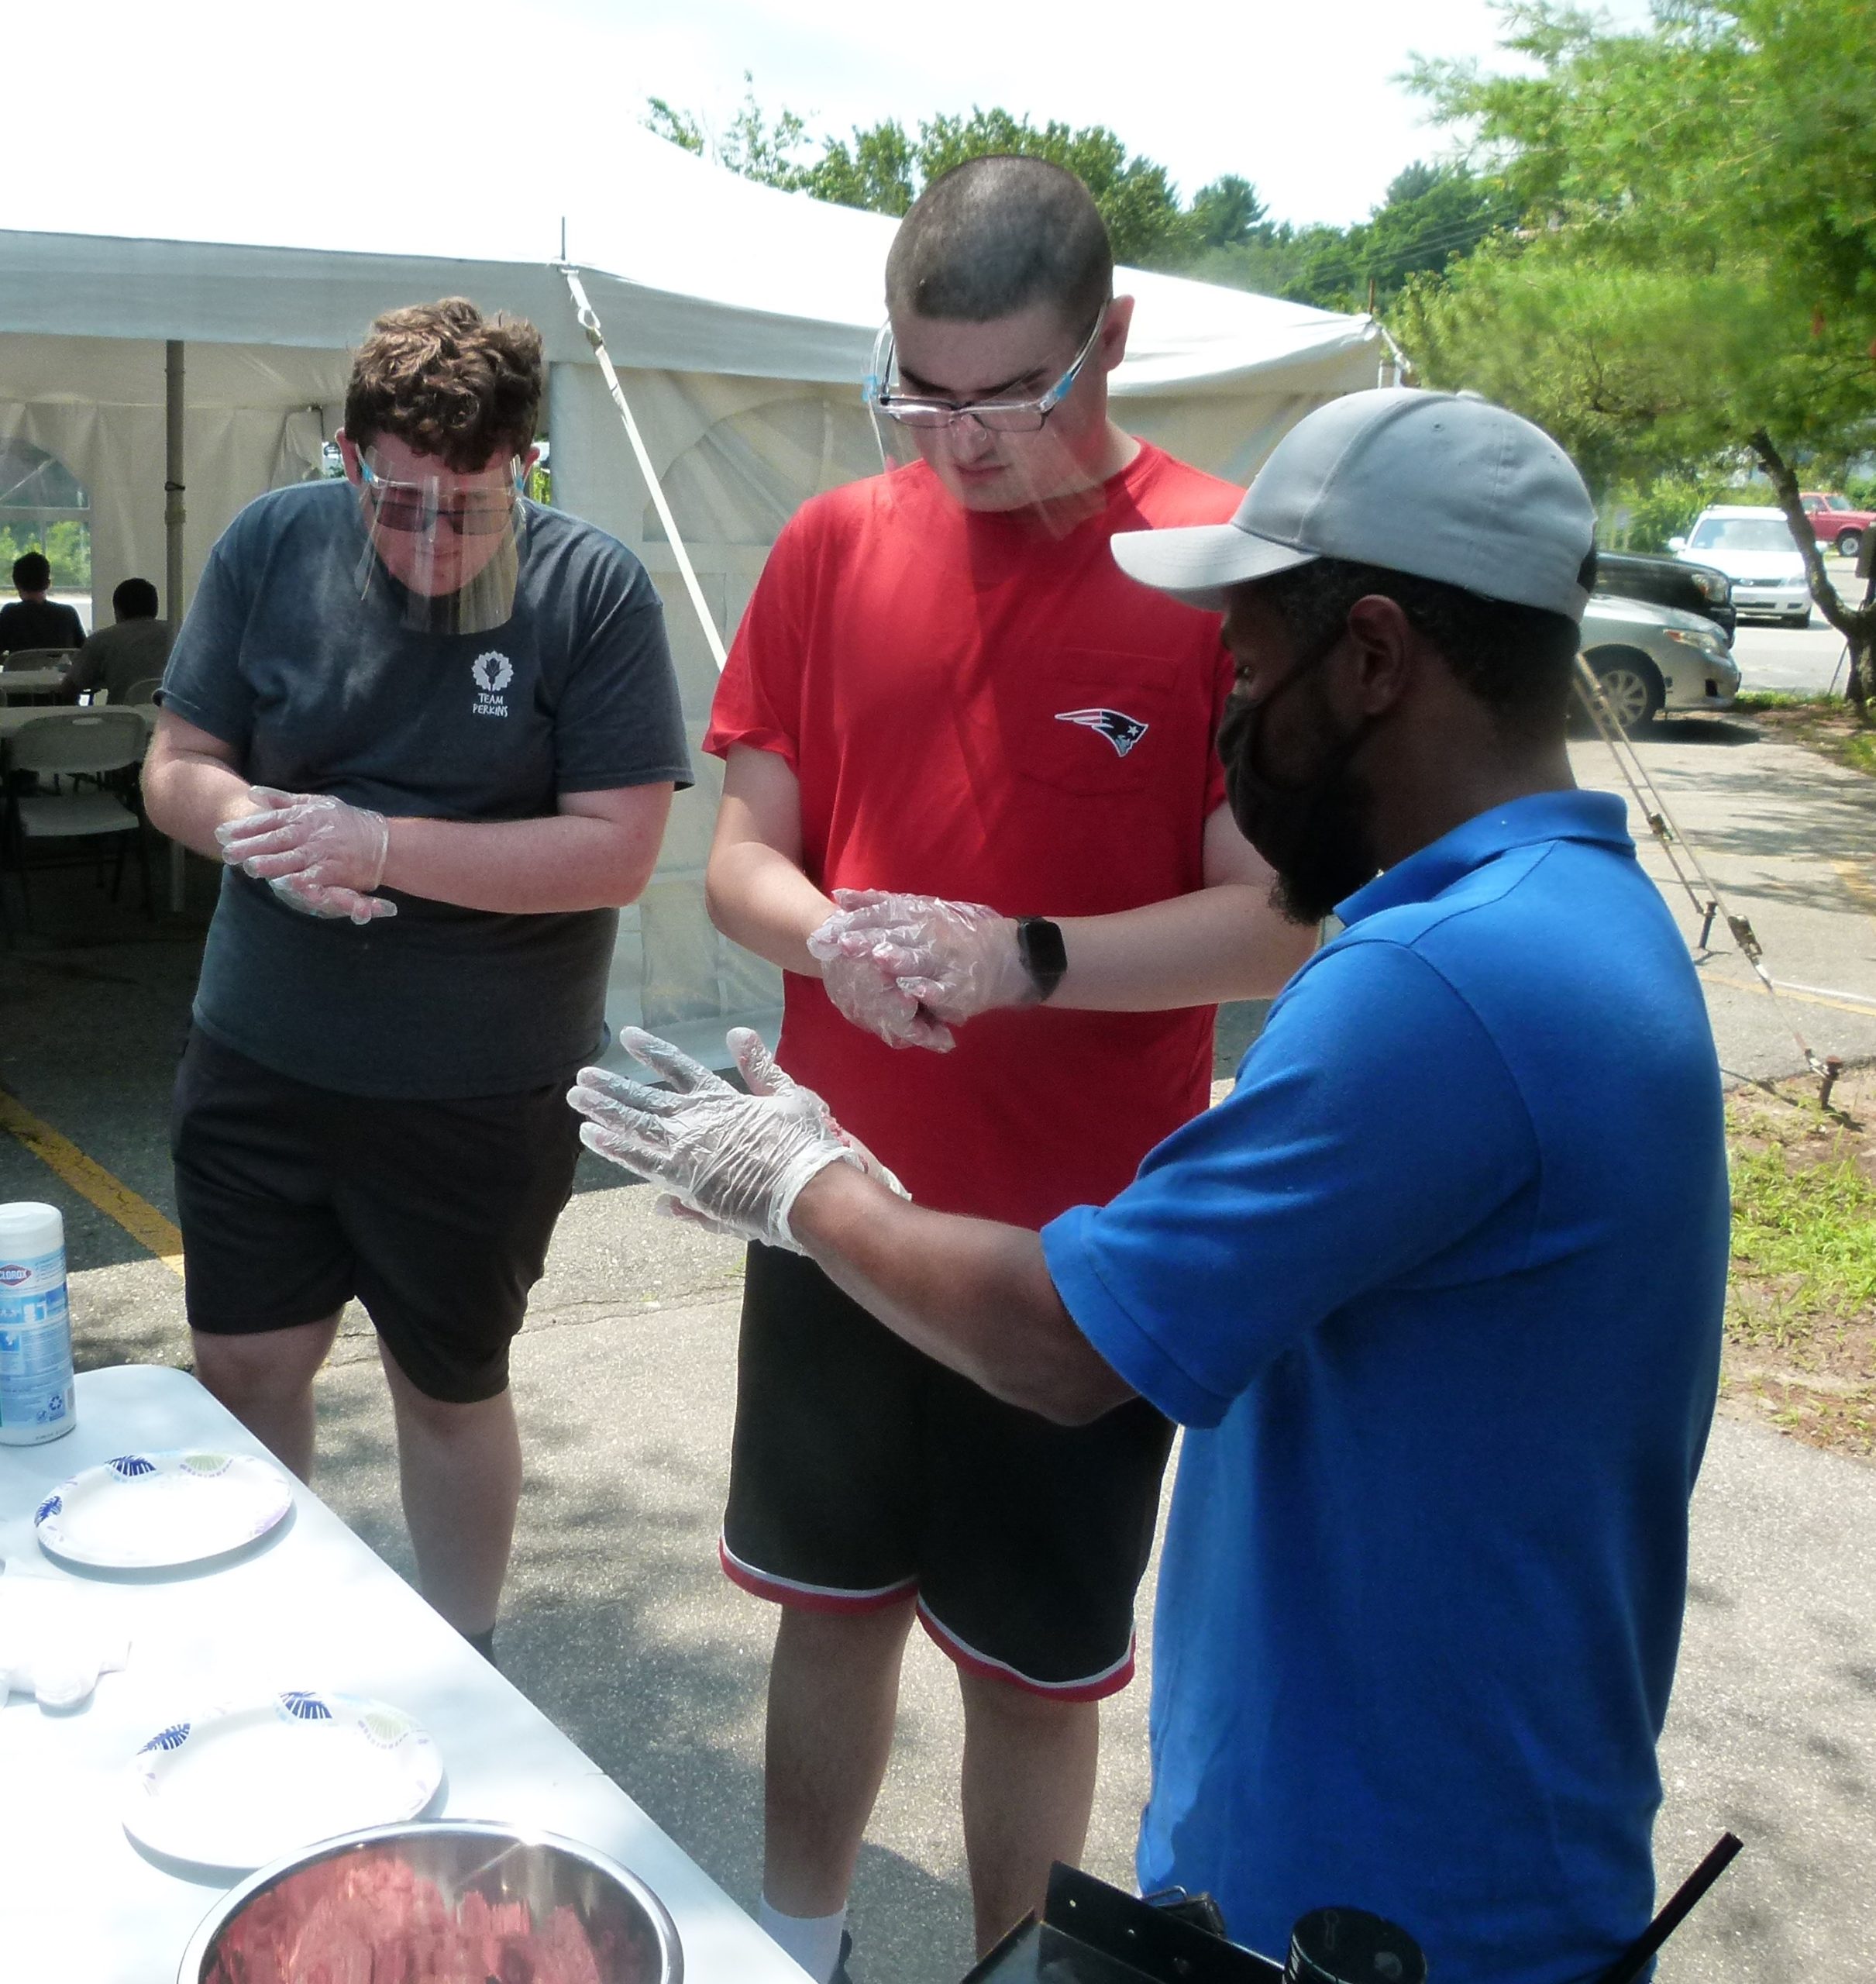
{"x":415,"y":507}
{"x":995,"y":416}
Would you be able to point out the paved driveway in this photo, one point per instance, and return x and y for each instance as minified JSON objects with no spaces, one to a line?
{"x":1791,"y":660}
{"x":1789,"y":840}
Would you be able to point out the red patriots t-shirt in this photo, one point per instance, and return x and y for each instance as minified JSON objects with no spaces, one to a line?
{"x":978,"y":708}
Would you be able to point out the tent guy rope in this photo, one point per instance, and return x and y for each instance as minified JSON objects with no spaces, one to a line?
{"x":595,"y":337}
{"x":1707,"y":903}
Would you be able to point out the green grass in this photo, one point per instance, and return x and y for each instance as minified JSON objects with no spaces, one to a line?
{"x":1809,"y":1222}
{"x":1801,"y":1307}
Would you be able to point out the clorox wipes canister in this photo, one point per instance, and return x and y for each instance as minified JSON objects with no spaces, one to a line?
{"x":36,"y":1373}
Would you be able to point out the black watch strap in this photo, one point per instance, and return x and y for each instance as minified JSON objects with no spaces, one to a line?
{"x":1044,"y":956}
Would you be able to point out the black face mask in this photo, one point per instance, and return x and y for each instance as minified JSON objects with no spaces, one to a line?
{"x":1317,"y":836}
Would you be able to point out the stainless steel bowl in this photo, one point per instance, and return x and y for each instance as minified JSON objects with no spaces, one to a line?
{"x":621,"y":1915}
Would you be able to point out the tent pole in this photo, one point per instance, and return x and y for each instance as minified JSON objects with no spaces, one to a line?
{"x":173,"y":512}
{"x":174,"y":515}
{"x":589,"y":322}
{"x":1394,"y":368}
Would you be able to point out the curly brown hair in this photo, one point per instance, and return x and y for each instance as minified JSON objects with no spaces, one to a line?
{"x":450,"y":381}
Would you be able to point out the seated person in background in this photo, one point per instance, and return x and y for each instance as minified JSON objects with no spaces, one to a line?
{"x":117,"y":658}
{"x":33,"y":620}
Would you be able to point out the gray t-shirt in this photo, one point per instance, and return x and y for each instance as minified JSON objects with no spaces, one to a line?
{"x":320,"y":687}
{"x":118,"y":658}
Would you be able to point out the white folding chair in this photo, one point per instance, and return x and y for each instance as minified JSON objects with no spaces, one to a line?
{"x":69,"y":741}
{"x":142,"y":695}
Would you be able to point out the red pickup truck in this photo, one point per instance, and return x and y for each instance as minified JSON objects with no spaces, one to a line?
{"x":1835,"y":523}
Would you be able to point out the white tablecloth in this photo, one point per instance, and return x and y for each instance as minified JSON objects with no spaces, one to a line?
{"x":314,"y":1609}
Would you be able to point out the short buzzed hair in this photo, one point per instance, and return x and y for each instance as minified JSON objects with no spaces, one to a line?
{"x":995,"y":235}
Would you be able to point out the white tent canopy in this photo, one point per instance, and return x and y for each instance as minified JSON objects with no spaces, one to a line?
{"x":741,"y":319}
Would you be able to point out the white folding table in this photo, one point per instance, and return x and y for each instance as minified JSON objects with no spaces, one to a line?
{"x":311,"y":1608}
{"x":16,"y":716}
{"x":31,"y":681}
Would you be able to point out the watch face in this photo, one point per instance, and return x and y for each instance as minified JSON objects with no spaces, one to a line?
{"x":1044,"y":954}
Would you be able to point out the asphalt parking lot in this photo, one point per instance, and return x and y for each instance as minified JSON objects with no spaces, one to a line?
{"x":618,"y":1624}
{"x":1798,"y":660}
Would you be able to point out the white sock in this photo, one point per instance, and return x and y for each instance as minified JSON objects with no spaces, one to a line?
{"x":813,"y":1940}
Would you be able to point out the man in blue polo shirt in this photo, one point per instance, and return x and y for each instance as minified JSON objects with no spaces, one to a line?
{"x":1438,"y":1287}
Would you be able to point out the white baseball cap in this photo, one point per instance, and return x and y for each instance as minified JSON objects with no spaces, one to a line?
{"x":1443,"y":485}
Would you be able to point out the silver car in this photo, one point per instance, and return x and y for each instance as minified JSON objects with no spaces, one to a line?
{"x":1649,"y":658}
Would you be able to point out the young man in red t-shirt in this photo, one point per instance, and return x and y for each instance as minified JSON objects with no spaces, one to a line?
{"x":945,"y":689}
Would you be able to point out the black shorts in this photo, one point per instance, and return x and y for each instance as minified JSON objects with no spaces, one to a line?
{"x":863,"y":1473}
{"x":435,"y":1214}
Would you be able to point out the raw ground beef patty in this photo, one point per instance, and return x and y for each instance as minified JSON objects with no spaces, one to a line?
{"x":367,"y":1918}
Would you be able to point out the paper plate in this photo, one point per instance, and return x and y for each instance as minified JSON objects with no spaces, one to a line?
{"x":155,"y":1511}
{"x":243,"y":1785}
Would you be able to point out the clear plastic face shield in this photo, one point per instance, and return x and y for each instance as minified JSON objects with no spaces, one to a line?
{"x":1014,"y":448}
{"x":444,"y":547}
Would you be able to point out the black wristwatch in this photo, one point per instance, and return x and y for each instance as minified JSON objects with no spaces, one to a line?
{"x":1045,"y":957}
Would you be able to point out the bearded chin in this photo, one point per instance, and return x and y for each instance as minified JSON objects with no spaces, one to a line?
{"x":1319,"y":846}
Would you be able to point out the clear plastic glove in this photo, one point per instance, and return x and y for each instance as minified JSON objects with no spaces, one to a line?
{"x":311,"y":835}
{"x":739,"y":1160}
{"x":315,"y":899}
{"x":865,"y":992}
{"x":55,"y":1642}
{"x":957,"y":959}
{"x":757,"y":1068}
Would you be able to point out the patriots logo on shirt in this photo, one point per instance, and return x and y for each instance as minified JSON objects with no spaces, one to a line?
{"x":1121,"y":731}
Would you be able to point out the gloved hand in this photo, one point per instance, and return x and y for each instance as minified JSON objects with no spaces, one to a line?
{"x":739,"y":1160}
{"x":314,"y":899}
{"x":865,"y":992}
{"x":310,"y":835}
{"x":957,"y":959}
{"x":757,"y":1068}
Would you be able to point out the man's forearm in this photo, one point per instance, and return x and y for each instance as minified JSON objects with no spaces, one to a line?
{"x":564,"y":861}
{"x":1217,"y":943}
{"x":973,"y":1295}
{"x":760,"y":899}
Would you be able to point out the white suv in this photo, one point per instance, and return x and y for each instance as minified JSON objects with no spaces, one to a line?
{"x":1753,"y":547}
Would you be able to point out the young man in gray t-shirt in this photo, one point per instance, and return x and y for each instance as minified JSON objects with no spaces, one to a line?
{"x":121,"y":658}
{"x":433,"y":729}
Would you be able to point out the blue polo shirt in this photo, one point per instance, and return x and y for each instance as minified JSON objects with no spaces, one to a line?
{"x":1438,"y":1290}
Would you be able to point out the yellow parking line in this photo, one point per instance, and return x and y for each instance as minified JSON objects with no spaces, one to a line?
{"x":1787,"y":992}
{"x":90,"y":1180}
